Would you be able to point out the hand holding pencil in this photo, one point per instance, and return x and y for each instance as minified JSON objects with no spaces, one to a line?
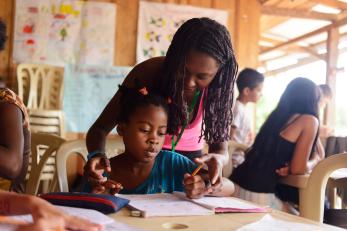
{"x":194,"y":184}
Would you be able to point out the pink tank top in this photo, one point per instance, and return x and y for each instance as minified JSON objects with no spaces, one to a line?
{"x":190,"y":138}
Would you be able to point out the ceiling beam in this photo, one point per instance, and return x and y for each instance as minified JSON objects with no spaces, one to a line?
{"x":296,"y":13}
{"x":305,"y":36}
{"x":287,"y":68}
{"x":332,"y":3}
{"x":301,"y":62}
{"x":313,"y":53}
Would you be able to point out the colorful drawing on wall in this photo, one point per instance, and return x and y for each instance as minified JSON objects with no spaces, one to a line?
{"x":87,"y":90}
{"x":64,"y":31}
{"x":155,"y":30}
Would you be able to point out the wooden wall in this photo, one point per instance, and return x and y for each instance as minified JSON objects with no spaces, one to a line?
{"x":243,"y":25}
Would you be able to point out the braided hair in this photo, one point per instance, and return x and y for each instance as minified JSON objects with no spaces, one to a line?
{"x":3,"y":36}
{"x":134,"y":98}
{"x":207,"y":36}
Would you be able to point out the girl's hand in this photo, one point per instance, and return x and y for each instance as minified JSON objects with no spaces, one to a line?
{"x":109,"y":186}
{"x":95,"y":168}
{"x":195,"y":186}
{"x":284,"y":171}
{"x":214,"y":163}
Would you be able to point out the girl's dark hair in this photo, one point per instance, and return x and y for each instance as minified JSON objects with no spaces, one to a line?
{"x":300,"y":97}
{"x":132,"y":98}
{"x":3,"y":36}
{"x":207,"y":36}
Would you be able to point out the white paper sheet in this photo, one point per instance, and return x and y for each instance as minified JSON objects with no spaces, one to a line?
{"x":164,"y":204}
{"x":269,"y":223}
{"x":156,"y":30}
{"x":64,"y":31}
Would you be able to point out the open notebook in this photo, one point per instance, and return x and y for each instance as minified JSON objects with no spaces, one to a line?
{"x":177,"y":204}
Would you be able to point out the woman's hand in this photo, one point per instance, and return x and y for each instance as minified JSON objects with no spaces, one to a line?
{"x":95,"y":168}
{"x":109,"y":186}
{"x":215,"y":165}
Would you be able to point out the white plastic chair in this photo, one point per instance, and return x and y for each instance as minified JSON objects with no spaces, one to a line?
{"x":312,"y":186}
{"x":42,"y":161}
{"x":47,"y":121}
{"x":40,"y":86}
{"x":113,"y":148}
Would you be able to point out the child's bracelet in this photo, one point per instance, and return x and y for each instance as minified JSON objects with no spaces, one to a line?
{"x":94,"y":153}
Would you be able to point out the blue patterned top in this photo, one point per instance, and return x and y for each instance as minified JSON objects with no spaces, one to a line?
{"x":166,"y":175}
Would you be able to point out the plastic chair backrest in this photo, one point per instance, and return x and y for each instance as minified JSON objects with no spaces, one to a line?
{"x":113,"y":148}
{"x":47,"y":121}
{"x":316,"y":185}
{"x":40,"y":86}
{"x":42,"y":160}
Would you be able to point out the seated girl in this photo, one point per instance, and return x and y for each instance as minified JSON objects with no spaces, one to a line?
{"x":144,"y":168}
{"x":284,"y":145}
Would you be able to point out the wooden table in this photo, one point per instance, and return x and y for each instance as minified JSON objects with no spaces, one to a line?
{"x":219,"y":222}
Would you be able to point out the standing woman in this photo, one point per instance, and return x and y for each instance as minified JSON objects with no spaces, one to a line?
{"x":197,"y":77}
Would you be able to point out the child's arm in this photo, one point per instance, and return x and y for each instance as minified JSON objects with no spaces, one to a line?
{"x":195,"y":187}
{"x":300,"y":163}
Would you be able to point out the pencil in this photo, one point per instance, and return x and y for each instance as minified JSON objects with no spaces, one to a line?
{"x":197,"y":169}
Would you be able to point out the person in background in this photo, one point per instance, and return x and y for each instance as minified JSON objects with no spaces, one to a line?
{"x":14,"y":135}
{"x":326,"y":97}
{"x":284,"y":145}
{"x":197,"y":75}
{"x":14,"y":157}
{"x":250,"y":85}
{"x":144,"y":168}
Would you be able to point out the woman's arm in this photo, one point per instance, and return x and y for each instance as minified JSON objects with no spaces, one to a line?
{"x":300,"y":163}
{"x":11,"y":140}
{"x":215,"y":160}
{"x":219,"y":149}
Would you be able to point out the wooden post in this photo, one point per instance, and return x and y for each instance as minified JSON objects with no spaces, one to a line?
{"x":246,"y":34}
{"x":331,"y":70}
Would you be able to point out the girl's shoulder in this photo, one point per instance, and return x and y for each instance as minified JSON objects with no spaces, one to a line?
{"x":304,"y":122}
{"x":308,"y":120}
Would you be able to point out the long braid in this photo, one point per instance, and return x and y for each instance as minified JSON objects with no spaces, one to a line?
{"x":207,"y":36}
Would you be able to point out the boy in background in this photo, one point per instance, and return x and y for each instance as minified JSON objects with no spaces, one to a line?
{"x":250,"y":86}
